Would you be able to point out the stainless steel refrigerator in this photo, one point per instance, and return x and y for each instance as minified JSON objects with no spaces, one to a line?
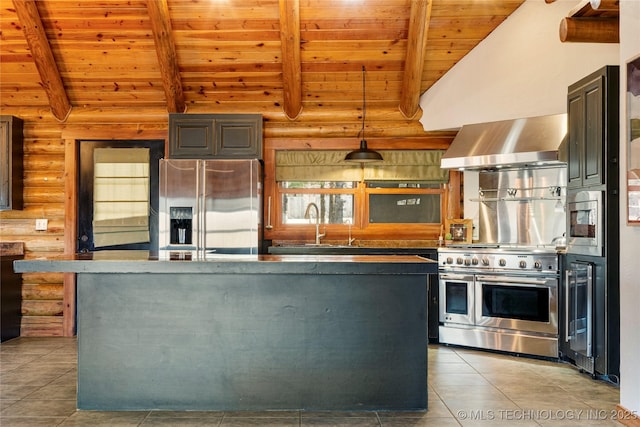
{"x":210,"y":207}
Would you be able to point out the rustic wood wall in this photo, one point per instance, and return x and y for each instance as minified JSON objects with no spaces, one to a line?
{"x":42,"y":294}
{"x":44,"y":184}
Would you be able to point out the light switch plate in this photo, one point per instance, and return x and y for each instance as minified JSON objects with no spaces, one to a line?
{"x":42,"y":224}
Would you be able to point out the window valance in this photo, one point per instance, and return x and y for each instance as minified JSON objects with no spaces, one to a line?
{"x":398,"y":165}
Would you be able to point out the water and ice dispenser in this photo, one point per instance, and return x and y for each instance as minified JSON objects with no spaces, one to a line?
{"x":181,"y":220}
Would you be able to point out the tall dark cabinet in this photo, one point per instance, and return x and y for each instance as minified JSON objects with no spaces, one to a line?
{"x":589,"y":295}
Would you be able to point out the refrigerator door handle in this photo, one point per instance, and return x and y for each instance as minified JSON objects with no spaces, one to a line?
{"x":200,"y":237}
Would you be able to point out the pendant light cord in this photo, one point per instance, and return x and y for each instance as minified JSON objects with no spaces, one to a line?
{"x":364,"y":100}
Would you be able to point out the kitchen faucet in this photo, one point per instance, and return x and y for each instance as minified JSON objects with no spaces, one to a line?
{"x":308,"y":216}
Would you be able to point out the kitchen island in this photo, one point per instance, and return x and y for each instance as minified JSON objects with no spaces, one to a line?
{"x":248,"y":332}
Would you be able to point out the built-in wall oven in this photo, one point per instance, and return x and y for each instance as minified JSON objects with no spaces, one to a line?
{"x":499,"y":299}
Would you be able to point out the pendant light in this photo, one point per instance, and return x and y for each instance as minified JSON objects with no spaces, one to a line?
{"x":363,"y":154}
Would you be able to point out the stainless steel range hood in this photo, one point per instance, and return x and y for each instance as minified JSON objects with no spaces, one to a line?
{"x":531,"y":141}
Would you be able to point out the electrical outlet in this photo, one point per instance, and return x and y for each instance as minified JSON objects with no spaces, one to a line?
{"x":41,"y":224}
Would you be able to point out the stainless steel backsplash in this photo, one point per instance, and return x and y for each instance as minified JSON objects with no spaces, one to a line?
{"x":524,"y":207}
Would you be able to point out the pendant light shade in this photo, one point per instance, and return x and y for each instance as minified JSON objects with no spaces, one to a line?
{"x":363,"y":154}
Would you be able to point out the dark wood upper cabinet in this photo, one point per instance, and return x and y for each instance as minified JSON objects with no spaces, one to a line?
{"x":10,"y":163}
{"x":215,"y":136}
{"x":592,"y":106}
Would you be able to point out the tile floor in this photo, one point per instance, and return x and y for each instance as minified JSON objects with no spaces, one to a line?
{"x":466,"y":388}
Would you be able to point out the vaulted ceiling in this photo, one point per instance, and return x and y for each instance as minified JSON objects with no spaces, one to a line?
{"x":264,"y":56}
{"x":284,"y":59}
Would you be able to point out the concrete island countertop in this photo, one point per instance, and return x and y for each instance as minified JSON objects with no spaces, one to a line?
{"x":149,"y":262}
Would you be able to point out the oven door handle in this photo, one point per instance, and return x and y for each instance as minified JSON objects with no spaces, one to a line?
{"x":540,"y":283}
{"x":453,"y":276}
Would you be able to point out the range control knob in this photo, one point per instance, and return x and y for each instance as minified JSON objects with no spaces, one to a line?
{"x":459,"y":261}
{"x":449,"y":260}
{"x":467,"y":261}
{"x":502,"y":262}
{"x":485,"y":261}
{"x":537,"y":265}
{"x":523,"y":264}
{"x":474,"y":261}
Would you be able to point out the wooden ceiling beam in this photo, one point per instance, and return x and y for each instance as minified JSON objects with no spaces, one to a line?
{"x":42,"y":55}
{"x":167,"y":58}
{"x":419,"y":18}
{"x":590,"y":30}
{"x":291,"y":65}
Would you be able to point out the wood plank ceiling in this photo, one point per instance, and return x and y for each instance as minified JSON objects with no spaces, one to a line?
{"x":285,"y":59}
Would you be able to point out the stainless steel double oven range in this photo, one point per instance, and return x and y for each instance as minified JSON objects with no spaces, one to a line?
{"x":499,"y":298}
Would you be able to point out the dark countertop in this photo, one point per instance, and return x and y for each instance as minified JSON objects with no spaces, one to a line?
{"x":146,"y":262}
{"x":311,"y":249}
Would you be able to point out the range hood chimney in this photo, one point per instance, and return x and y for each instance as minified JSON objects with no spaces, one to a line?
{"x":532,"y":141}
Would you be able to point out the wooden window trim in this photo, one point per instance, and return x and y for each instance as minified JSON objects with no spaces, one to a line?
{"x":450,"y":200}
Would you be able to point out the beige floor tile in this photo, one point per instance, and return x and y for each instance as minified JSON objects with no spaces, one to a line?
{"x":437,"y":409}
{"x":26,"y":376}
{"x":214,"y":415}
{"x":5,"y":403}
{"x":260,"y":422}
{"x":262,"y":414}
{"x":328,"y":421}
{"x":31,"y":421}
{"x":105,"y":419}
{"x":70,"y":378}
{"x":528,"y":388}
{"x":180,"y":422}
{"x":500,"y":423}
{"x":339,"y":414}
{"x":457,"y":379}
{"x":54,"y":392}
{"x":16,"y":391}
{"x":468,"y":407}
{"x":551,"y":403}
{"x":450,"y":368}
{"x":419,"y":422}
{"x":42,"y":408}
{"x":16,"y":358}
